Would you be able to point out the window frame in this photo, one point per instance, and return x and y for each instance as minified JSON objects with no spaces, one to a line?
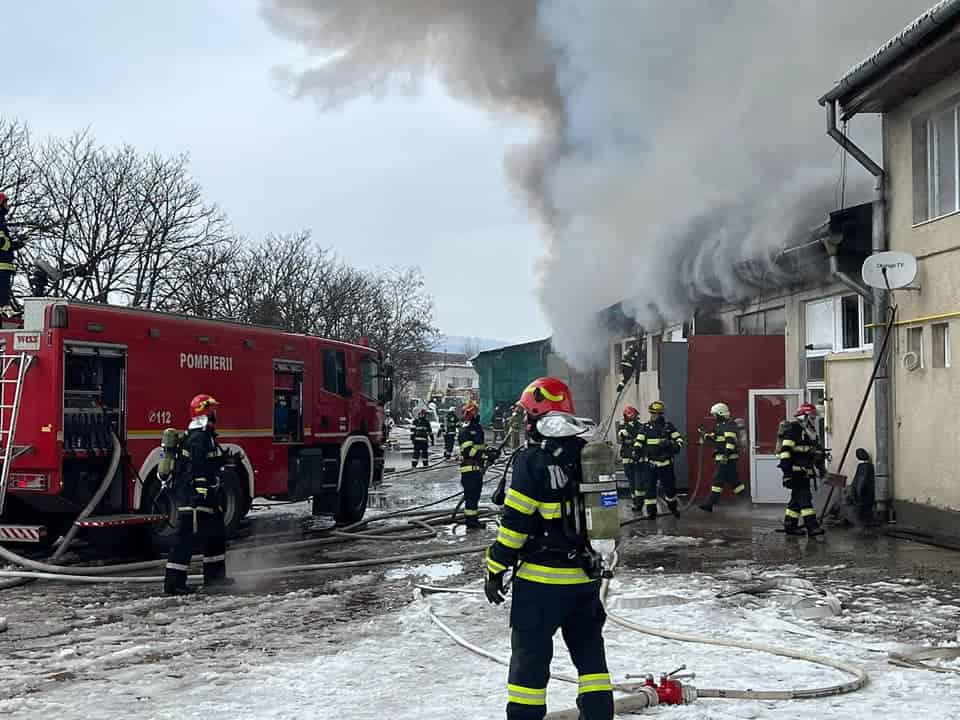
{"x":926,"y":188}
{"x":918,"y":331}
{"x":946,"y":346}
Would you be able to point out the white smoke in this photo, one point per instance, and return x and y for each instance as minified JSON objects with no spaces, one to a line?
{"x":678,"y":137}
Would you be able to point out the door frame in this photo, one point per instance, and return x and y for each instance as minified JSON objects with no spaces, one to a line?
{"x":752,"y":394}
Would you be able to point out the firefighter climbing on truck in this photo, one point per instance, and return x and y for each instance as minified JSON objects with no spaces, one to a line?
{"x":8,"y":248}
{"x":555,"y":586}
{"x":196,"y":487}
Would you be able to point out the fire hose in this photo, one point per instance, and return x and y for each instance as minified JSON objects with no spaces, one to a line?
{"x":670,"y":691}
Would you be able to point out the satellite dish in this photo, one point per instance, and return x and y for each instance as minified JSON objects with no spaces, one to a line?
{"x":889,"y":270}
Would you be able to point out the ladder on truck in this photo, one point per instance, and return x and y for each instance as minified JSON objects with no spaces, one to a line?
{"x":11,"y":383}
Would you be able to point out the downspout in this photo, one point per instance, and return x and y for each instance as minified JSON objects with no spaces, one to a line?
{"x":883,"y":406}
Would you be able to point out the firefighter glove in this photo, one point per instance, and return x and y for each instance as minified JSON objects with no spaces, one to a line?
{"x":493,"y":588}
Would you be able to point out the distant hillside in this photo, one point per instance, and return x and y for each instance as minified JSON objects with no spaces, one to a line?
{"x":463,"y":344}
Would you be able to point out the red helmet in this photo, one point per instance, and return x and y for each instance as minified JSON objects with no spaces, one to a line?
{"x":3,"y":198}
{"x":806,"y":410}
{"x":201,"y":404}
{"x":423,"y":412}
{"x":470,"y":411}
{"x":630,"y":412}
{"x":547,"y":394}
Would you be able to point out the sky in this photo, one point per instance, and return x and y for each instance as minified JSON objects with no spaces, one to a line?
{"x":414,"y":180}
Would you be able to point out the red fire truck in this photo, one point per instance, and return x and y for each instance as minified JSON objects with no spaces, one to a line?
{"x":303,"y":415}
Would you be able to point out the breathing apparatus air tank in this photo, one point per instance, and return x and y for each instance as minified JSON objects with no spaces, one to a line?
{"x":169,"y":444}
{"x":598,"y":462}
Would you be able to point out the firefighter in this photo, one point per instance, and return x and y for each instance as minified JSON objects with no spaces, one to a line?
{"x":725,"y":455}
{"x":515,"y":426}
{"x":628,"y":365}
{"x":8,"y":246}
{"x":197,"y":493}
{"x":801,"y":458}
{"x":556,"y":583}
{"x":497,"y":423}
{"x":451,"y":427}
{"x":421,"y":433}
{"x":658,"y":441}
{"x":472,"y":453}
{"x":628,"y":455}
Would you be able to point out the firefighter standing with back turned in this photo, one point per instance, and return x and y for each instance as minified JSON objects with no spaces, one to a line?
{"x":628,"y":455}
{"x":8,"y":246}
{"x":451,"y":426}
{"x":472,"y":456}
{"x":422,"y":436}
{"x":557,"y":574}
{"x":658,"y":441}
{"x":801,"y":458}
{"x":725,"y":455}
{"x":197,"y":493}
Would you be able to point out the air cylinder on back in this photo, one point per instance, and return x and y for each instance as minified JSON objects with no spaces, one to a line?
{"x":599,"y":490}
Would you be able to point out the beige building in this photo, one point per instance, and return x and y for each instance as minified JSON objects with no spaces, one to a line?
{"x":913,"y":82}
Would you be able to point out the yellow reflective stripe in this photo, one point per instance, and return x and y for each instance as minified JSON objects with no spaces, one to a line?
{"x":675,"y":434}
{"x":785,"y":455}
{"x":177,"y":566}
{"x":661,"y":463}
{"x":513,"y":540}
{"x":10,"y":267}
{"x":716,"y":489}
{"x":550,"y":511}
{"x":730,"y":435}
{"x":638,"y":493}
{"x":466,"y":445}
{"x":599,"y":682}
{"x":650,"y":501}
{"x":807,"y":512}
{"x":520,"y":502}
{"x":470,"y":468}
{"x":739,"y":488}
{"x":526,"y":696}
{"x":468,"y":512}
{"x":720,"y":458}
{"x":493,"y":566}
{"x":627,"y":461}
{"x":792,"y":513}
{"x":786,"y":442}
{"x":552,"y":575}
{"x":200,"y":490}
{"x":653,"y":441}
{"x":731,"y":446}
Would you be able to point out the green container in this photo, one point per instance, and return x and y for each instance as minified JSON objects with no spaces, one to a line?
{"x":599,"y":491}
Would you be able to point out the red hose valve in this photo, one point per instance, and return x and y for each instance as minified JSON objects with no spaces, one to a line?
{"x":671,"y":691}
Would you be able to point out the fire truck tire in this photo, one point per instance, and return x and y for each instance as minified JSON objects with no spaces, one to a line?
{"x":354,"y":491}
{"x":235,"y":500}
{"x":155,"y":501}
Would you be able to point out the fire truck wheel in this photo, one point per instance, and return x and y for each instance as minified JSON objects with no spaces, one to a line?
{"x":354,"y":491}
{"x":155,"y":501}
{"x":235,"y":500}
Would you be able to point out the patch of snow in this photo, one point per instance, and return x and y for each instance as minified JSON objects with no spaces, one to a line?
{"x":435,"y":571}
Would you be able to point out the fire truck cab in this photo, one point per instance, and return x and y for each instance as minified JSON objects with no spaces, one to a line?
{"x":302,"y":416}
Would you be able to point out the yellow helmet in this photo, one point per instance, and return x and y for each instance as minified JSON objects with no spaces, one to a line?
{"x":656,"y":407}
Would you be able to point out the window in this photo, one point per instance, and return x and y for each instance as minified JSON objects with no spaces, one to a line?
{"x":850,"y":321}
{"x":915,"y":343}
{"x":370,"y":378}
{"x":941,"y":345}
{"x":935,"y":186}
{"x":655,"y":352}
{"x":764,"y":322}
{"x":838,"y":324}
{"x":335,"y":372}
{"x":816,"y":368}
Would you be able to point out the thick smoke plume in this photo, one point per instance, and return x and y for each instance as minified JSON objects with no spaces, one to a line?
{"x":678,"y":138}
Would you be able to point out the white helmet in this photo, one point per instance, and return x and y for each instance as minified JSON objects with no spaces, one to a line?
{"x":720,"y":410}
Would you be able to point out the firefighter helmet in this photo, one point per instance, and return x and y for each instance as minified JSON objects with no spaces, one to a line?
{"x":630,"y":412}
{"x":202,"y":404}
{"x":545,"y":395}
{"x":656,"y":408}
{"x":423,"y":412}
{"x":806,"y":410}
{"x":720,"y":410}
{"x":470,"y":411}
{"x":3,"y":199}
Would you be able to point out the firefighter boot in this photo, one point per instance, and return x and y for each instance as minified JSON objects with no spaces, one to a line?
{"x":425,"y":463}
{"x":414,"y":464}
{"x":651,"y":507}
{"x":473,"y":522}
{"x":673,"y":507}
{"x":791,"y":526}
{"x":638,"y":504}
{"x":812,"y":526}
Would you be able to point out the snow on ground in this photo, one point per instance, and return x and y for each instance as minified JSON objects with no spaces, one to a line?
{"x":401,"y":666}
{"x":436,"y":571}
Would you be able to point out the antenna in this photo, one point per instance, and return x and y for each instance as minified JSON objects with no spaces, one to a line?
{"x":890,"y":271}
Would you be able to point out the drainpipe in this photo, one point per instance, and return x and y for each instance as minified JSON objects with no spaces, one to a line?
{"x":882,"y":398}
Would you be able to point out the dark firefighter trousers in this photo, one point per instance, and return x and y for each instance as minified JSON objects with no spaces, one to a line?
{"x":663,"y":476}
{"x":200,"y":518}
{"x":726,"y":476}
{"x":448,"y":440}
{"x":6,"y":280}
{"x":421,"y":449}
{"x":538,"y":611}
{"x":638,"y":489}
{"x":472,"y":482}
{"x":800,"y":507}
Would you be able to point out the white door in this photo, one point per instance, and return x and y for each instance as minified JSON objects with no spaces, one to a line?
{"x":767,"y":409}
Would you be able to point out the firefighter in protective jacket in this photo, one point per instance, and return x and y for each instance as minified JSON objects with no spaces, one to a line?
{"x":556,"y":582}
{"x":658,"y":441}
{"x":627,"y":436}
{"x":197,"y":493}
{"x":421,"y":434}
{"x":472,"y":458}
{"x":451,"y":426}
{"x":725,"y":454}
{"x":8,"y":247}
{"x":801,"y":459}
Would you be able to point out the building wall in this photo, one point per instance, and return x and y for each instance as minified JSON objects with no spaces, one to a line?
{"x":583,"y":385}
{"x":927,"y":413}
{"x":846,"y":381}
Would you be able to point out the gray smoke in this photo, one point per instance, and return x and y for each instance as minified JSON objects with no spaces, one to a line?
{"x":678,"y":138}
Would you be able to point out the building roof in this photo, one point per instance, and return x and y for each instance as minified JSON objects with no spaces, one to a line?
{"x":918,"y":56}
{"x":530,"y":345}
